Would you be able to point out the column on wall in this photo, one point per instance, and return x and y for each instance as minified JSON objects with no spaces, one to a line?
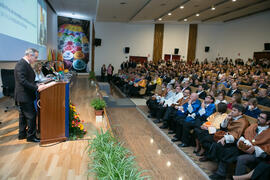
{"x":158,"y":42}
{"x":192,"y":38}
{"x":93,"y":48}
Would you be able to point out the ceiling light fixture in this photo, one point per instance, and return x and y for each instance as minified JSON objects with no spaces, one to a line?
{"x":169,"y":14}
{"x":233,"y":0}
{"x":197,"y":14}
{"x":181,"y":7}
{"x":160,"y":19}
{"x":213,"y":8}
{"x":185,"y":19}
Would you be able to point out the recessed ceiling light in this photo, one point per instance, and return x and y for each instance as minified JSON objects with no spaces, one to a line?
{"x":213,"y":8}
{"x":185,"y":19}
{"x":169,"y":14}
{"x":181,"y":7}
{"x":160,"y":19}
{"x":197,"y":14}
{"x":233,"y":0}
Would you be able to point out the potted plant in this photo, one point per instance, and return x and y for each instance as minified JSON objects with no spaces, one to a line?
{"x":98,"y":104}
{"x":92,"y":77}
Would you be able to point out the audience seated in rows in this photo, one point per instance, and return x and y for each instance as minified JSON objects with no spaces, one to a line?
{"x":180,"y":99}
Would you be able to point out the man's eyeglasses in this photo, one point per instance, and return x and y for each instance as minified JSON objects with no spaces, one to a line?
{"x":34,"y":56}
{"x":261,"y":117}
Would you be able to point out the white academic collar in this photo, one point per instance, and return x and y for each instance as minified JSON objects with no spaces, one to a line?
{"x":26,"y":60}
{"x":236,"y":118}
{"x":262,"y":128}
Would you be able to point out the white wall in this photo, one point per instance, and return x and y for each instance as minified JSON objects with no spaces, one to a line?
{"x":116,"y":36}
{"x":244,"y":36}
{"x":175,"y":36}
{"x":207,"y":36}
{"x":52,"y":28}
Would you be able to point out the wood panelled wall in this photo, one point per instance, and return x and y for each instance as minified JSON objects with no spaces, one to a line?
{"x":93,"y":48}
{"x":158,"y":42}
{"x":192,"y":39}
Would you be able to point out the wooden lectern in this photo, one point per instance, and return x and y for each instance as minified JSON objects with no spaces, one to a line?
{"x":52,"y":113}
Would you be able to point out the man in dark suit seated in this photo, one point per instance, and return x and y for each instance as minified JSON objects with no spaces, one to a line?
{"x":262,"y":84}
{"x":201,"y":92}
{"x":25,"y":94}
{"x":234,"y":89}
{"x":262,"y":98}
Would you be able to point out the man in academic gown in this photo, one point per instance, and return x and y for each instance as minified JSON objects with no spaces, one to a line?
{"x":187,"y":110}
{"x":225,"y":150}
{"x":207,"y":108}
{"x":172,"y":110}
{"x":257,"y":138}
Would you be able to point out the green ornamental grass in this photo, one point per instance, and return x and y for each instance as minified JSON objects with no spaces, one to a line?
{"x":98,"y":104}
{"x":112,"y":161}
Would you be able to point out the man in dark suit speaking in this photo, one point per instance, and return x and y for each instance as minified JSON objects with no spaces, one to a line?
{"x":25,"y":94}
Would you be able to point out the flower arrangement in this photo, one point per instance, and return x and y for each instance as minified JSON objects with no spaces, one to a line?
{"x":76,"y":128}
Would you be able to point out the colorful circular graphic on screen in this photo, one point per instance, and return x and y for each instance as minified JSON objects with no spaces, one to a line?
{"x":79,"y":65}
{"x":68,"y":55}
{"x":67,"y":64}
{"x":79,"y":55}
{"x":78,"y":48}
{"x":85,"y":50}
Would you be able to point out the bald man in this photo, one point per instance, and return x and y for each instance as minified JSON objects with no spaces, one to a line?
{"x":262,"y":98}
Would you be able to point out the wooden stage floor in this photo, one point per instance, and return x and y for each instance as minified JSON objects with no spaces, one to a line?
{"x":68,"y":160}
{"x":152,"y":150}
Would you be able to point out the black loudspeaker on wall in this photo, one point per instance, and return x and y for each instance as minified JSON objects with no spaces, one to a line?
{"x":126,"y":50}
{"x":267,"y":46}
{"x":207,"y":48}
{"x":97,"y":42}
{"x":176,"y":50}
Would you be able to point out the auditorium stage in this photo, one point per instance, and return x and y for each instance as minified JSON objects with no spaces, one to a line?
{"x":68,"y":160}
{"x":152,"y":148}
